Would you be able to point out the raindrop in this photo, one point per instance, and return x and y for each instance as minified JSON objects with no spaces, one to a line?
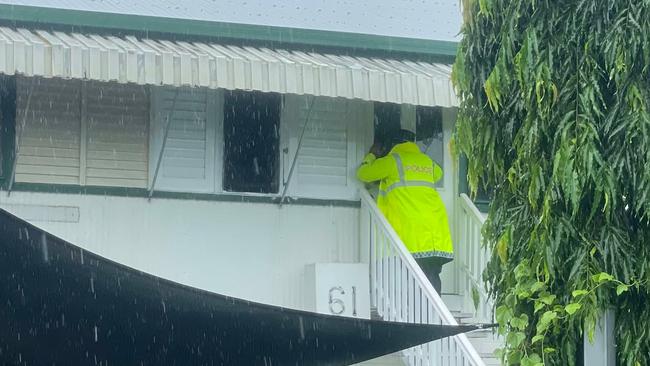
{"x":96,"y":337}
{"x":302,"y":328}
{"x":44,"y":248}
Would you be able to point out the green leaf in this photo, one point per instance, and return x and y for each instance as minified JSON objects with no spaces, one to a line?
{"x":503,"y":314}
{"x":532,"y":360}
{"x":537,"y":338}
{"x":522,"y":270}
{"x":548,"y":299}
{"x":502,"y":247}
{"x":602,"y":277}
{"x":514,"y":357}
{"x":538,"y":306}
{"x":520,"y":322}
{"x":621,"y":288}
{"x":545,"y":321}
{"x":484,"y":6}
{"x":476,"y":297}
{"x":538,"y":286}
{"x":577,"y":293}
{"x":514,"y":339}
{"x":572,"y":308}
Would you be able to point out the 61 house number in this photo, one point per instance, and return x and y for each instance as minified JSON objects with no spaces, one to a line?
{"x":336,"y":300}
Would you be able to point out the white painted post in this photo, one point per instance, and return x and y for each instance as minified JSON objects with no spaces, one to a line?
{"x":602,"y":352}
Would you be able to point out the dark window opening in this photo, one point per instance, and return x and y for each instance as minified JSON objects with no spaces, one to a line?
{"x":428,"y":134}
{"x":7,"y":125}
{"x":387,"y":123}
{"x":251,"y":126}
{"x":429,"y":137}
{"x":428,"y":123}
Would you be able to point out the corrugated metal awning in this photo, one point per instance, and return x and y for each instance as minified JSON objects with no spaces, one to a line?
{"x":178,"y":63}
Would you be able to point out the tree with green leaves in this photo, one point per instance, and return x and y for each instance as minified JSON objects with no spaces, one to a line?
{"x":554,"y":119}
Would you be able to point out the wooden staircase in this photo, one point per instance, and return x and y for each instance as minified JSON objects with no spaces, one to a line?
{"x":485,"y":341}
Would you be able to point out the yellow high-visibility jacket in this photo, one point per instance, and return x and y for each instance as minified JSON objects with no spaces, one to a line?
{"x":409,"y":200}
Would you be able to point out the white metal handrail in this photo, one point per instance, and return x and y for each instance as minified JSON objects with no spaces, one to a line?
{"x":400,"y":291}
{"x":472,"y":258}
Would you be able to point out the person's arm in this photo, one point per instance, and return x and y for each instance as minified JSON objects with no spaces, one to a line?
{"x":373,"y":169}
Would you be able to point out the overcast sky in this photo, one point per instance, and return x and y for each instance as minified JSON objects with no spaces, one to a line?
{"x":426,"y":19}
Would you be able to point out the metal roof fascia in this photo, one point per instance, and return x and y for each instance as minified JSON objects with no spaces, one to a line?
{"x":223,"y":30}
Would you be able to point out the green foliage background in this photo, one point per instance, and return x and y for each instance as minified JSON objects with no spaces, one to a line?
{"x":554,"y":116}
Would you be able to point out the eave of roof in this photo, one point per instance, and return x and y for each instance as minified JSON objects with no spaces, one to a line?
{"x":77,"y":20}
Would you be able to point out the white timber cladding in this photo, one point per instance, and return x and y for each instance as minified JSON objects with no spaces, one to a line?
{"x":82,"y":133}
{"x":188,"y":160}
{"x":331,"y":148}
{"x":177,"y":63}
{"x":48,"y":130}
{"x":108,"y":134}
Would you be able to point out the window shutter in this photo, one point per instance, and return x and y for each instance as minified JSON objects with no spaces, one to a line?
{"x":117,"y":117}
{"x":188,"y":160}
{"x":328,"y":156}
{"x":48,"y":130}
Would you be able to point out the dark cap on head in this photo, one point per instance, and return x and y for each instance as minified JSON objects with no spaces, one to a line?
{"x":403,"y":136}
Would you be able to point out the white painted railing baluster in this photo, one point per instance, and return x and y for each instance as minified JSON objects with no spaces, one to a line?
{"x":373,"y":262}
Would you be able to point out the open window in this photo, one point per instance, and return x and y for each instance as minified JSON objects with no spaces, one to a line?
{"x":251,"y":124}
{"x":429,"y":136}
{"x":387,"y":123}
{"x":7,"y":125}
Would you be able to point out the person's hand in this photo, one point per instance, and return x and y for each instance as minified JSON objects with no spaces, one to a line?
{"x":377,"y":149}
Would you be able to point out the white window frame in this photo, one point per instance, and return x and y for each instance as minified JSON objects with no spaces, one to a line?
{"x":359,"y":126}
{"x":214,"y":146}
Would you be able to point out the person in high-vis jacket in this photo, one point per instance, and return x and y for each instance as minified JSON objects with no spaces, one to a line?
{"x":409,"y":201}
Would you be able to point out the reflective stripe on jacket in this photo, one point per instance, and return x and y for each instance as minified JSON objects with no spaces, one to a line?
{"x":409,"y":200}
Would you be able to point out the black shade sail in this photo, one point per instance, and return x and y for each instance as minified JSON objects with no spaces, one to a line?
{"x":62,"y":305}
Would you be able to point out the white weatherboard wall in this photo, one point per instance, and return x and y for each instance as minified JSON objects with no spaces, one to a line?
{"x":249,"y":250}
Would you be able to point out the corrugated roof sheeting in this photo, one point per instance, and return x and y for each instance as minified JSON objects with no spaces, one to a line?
{"x":176,"y":63}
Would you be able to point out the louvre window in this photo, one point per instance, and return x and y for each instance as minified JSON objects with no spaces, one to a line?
{"x":81,"y":133}
{"x":331,"y":145}
{"x":189,"y":116}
